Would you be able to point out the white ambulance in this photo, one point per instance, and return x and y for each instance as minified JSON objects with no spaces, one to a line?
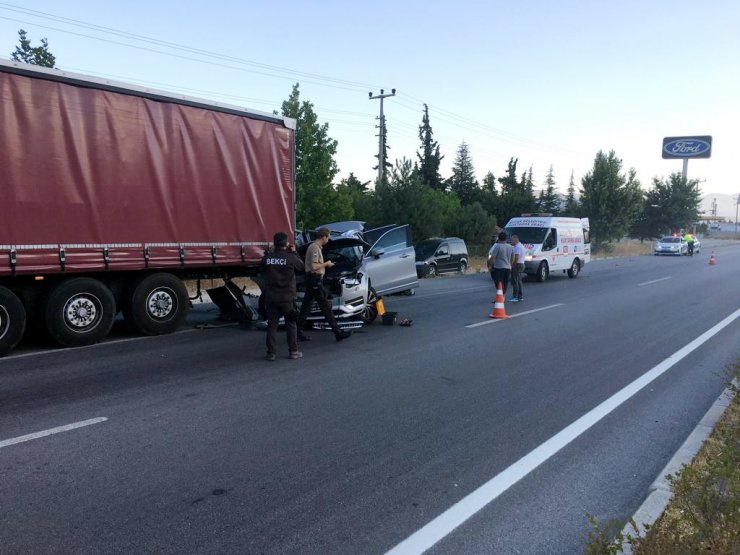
{"x":552,"y":243}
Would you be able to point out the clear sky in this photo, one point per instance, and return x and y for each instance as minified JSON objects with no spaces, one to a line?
{"x":548,"y":82}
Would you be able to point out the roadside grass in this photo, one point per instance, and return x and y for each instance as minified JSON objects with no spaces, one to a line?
{"x":703,"y":514}
{"x":624,"y":247}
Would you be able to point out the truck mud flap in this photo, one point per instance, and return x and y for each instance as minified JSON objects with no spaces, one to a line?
{"x":230,"y":300}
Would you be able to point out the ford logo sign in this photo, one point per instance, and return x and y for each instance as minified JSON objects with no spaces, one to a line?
{"x":687,"y":147}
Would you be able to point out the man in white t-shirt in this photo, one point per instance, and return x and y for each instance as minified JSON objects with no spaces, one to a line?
{"x":517,"y":269}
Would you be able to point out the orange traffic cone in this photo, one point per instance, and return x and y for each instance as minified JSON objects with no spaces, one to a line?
{"x":712,"y":261}
{"x":499,"y":311}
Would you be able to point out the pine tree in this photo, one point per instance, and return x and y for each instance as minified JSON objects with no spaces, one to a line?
{"x":429,"y":157}
{"x":352,"y":183}
{"x":517,"y":197}
{"x":36,"y":55}
{"x":463,"y":182}
{"x":548,"y":200}
{"x":386,"y":164}
{"x":488,"y":195}
{"x":572,"y":207}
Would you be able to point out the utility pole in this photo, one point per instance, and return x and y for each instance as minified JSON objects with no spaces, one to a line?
{"x":381,"y":140}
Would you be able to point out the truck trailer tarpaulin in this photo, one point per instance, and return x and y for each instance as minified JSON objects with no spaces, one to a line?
{"x":97,"y":175}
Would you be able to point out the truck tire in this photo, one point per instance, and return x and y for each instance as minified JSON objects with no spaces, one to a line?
{"x":575,"y":268}
{"x":543,"y":272}
{"x":79,"y":311}
{"x":156,"y":304}
{"x":12,"y":320}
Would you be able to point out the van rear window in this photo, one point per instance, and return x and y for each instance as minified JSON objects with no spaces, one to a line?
{"x":533,"y":235}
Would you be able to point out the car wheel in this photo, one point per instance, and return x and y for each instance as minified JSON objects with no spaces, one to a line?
{"x":543,"y":272}
{"x":12,"y":320}
{"x":79,"y":311}
{"x":370,"y":312}
{"x":157,"y":304}
{"x":575,"y":268}
{"x":463,"y":267}
{"x":432,"y":270}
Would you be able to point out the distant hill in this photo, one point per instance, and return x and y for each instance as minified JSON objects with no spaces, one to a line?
{"x":725,"y":205}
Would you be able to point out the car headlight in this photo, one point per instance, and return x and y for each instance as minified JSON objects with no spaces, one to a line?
{"x":528,"y":258}
{"x":352,"y":282}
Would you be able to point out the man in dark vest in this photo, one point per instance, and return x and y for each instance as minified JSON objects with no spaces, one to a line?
{"x":279,"y":268}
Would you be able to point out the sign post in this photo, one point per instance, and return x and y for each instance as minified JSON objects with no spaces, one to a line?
{"x":687,"y":147}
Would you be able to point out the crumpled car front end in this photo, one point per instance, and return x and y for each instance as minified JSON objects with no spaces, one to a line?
{"x":346,"y":284}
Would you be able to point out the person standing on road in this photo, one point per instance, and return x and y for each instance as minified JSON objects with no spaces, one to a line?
{"x":279,"y":268}
{"x":690,"y":243}
{"x":499,"y":261}
{"x":315,"y":291}
{"x":517,"y":269}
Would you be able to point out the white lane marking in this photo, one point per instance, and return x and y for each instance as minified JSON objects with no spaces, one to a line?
{"x":468,"y":506}
{"x":493,"y":321}
{"x":449,"y":292}
{"x":654,"y":281}
{"x":52,"y":431}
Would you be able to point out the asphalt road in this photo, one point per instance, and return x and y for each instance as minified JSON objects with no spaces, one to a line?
{"x":207,"y":448}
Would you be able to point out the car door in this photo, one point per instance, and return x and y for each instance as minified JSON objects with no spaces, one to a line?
{"x":443,"y":256}
{"x":551,"y":249}
{"x":390,"y":263}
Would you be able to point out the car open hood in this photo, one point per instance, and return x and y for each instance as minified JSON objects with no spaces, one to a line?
{"x":337,"y":243}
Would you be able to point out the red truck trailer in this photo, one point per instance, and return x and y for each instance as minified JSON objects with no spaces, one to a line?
{"x":113,"y":194}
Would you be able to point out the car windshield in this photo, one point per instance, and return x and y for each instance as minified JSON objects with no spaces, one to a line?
{"x":425,"y":249}
{"x":670,"y":240}
{"x":527,"y":235}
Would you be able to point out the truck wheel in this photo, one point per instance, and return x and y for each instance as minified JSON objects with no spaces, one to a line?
{"x":156,"y":304}
{"x":370,"y":312}
{"x":79,"y":311}
{"x":574,"y":268}
{"x":12,"y":320}
{"x":543,"y":271}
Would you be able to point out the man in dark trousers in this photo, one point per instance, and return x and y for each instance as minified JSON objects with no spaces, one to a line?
{"x":500,"y":258}
{"x":315,"y":291}
{"x":279,"y":268}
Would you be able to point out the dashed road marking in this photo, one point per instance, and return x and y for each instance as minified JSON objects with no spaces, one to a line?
{"x":52,"y":431}
{"x":654,"y":281}
{"x":493,"y":321}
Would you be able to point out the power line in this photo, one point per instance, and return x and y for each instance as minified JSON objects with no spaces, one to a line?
{"x":180,"y":56}
{"x":405,"y":101}
{"x":175,"y":46}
